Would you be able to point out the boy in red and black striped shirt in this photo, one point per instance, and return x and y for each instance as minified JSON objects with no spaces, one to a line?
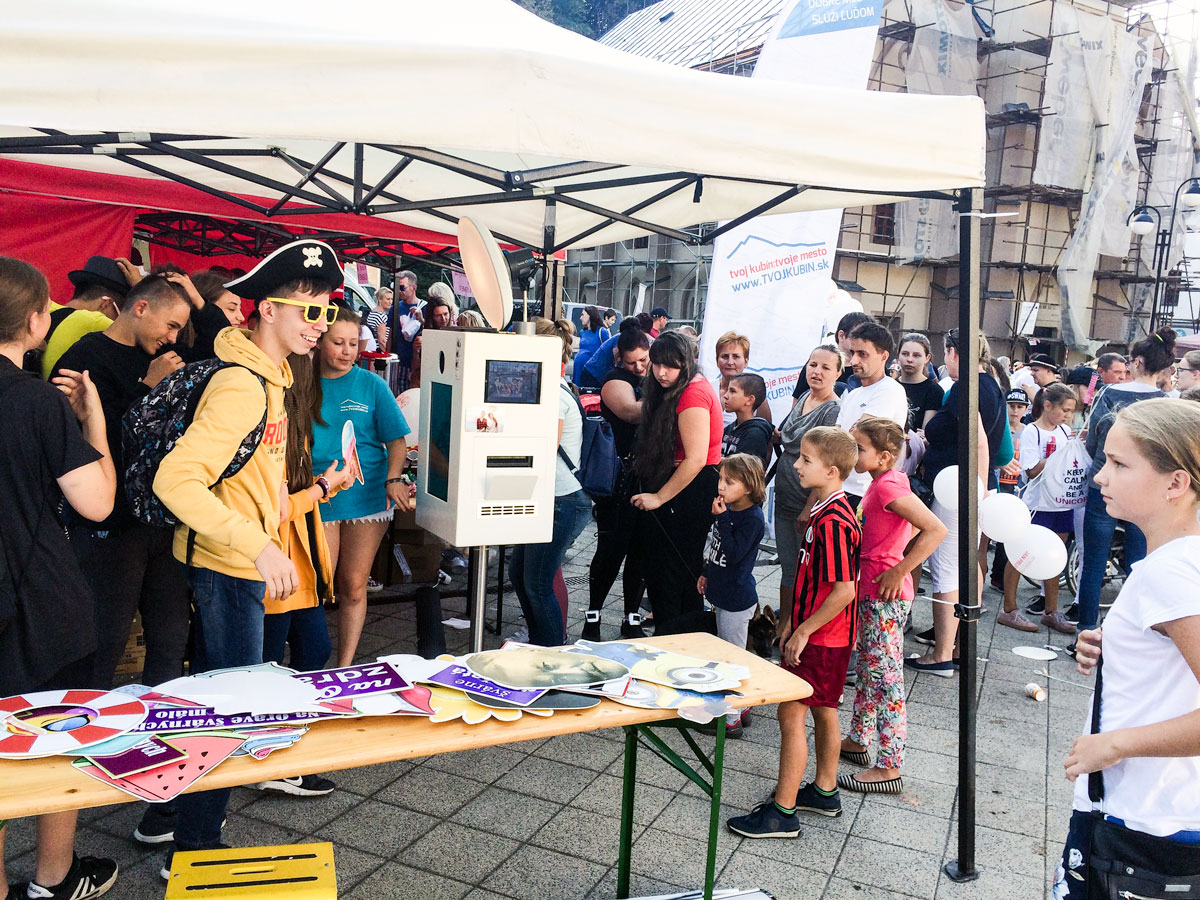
{"x":816,"y":640}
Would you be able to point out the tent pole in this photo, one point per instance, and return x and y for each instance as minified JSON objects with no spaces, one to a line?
{"x":969,"y":205}
{"x":549,"y":225}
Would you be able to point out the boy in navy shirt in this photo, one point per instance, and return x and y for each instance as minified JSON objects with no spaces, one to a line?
{"x":747,"y":433}
{"x":816,"y":640}
{"x":728,"y":579}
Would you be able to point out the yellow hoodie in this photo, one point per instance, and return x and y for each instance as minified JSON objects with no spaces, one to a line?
{"x":234,"y":520}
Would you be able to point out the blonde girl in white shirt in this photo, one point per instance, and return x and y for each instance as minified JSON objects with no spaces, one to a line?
{"x":1147,"y":745}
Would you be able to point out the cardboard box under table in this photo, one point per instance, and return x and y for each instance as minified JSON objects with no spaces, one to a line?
{"x":31,"y":787}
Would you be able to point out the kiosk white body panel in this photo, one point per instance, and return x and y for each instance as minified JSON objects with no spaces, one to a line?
{"x":489,"y":437}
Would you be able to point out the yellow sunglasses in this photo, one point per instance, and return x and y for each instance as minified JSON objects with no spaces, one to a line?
{"x":313,"y":312}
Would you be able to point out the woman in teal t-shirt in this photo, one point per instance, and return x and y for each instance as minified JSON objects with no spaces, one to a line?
{"x":357,"y":518}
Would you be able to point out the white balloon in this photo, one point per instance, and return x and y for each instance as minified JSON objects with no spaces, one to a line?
{"x":1003,"y":517}
{"x":945,"y":487}
{"x":1038,"y":554}
{"x":410,"y":406}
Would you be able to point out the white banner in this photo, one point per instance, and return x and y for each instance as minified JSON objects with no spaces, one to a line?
{"x":944,"y":60}
{"x":1132,"y":59}
{"x":771,"y":277}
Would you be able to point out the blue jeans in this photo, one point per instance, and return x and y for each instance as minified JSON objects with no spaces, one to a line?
{"x":305,"y":630}
{"x":533,"y":567}
{"x":228,"y":624}
{"x":1098,"y":528}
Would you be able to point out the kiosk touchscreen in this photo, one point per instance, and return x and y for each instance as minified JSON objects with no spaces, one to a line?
{"x":489,"y":437}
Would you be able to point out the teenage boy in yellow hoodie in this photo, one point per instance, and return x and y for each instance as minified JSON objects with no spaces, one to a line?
{"x":229,"y":533}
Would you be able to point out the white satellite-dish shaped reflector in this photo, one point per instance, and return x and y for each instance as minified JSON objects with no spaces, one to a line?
{"x":487,"y":272}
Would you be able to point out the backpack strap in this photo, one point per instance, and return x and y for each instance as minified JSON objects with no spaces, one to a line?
{"x":579,"y":406}
{"x":1096,"y":779}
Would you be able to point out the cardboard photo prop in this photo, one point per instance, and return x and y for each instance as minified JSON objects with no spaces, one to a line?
{"x":541,"y":667}
{"x":646,"y":663}
{"x":262,"y":743}
{"x":204,"y":753}
{"x":477,"y":688}
{"x":350,"y":451}
{"x":354,"y":681}
{"x":691,"y":705}
{"x":149,"y":754}
{"x":449,"y":704}
{"x":253,"y":692}
{"x":48,"y":723}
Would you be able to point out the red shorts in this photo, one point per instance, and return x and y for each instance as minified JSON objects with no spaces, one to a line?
{"x":825,"y":669}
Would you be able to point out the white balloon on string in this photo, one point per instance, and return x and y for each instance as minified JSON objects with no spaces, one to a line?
{"x":1003,"y":517}
{"x":945,"y":487}
{"x":1038,"y":553}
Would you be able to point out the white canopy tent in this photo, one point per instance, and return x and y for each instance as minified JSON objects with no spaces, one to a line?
{"x":421,"y":112}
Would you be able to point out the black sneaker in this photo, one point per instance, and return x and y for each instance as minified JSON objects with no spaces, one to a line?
{"x":299,"y":786}
{"x":924,"y":637}
{"x":165,"y":871}
{"x":591,"y":625}
{"x":765,"y":821}
{"x":156,"y":827}
{"x":1071,"y":614}
{"x":87,"y":877}
{"x":1038,"y":606}
{"x":631,"y":627}
{"x":809,"y":799}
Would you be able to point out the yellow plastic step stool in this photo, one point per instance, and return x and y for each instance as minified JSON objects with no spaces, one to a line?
{"x":295,"y":871}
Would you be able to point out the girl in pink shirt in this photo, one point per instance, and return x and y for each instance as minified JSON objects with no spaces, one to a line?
{"x":889,"y":513}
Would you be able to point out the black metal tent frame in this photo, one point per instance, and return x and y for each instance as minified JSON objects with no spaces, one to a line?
{"x":328,"y":190}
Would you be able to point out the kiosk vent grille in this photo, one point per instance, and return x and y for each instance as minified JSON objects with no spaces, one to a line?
{"x":526,"y":509}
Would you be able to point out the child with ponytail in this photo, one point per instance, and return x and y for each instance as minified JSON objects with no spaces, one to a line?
{"x":890,"y":511}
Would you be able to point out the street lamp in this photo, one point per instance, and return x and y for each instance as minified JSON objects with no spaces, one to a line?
{"x":1145,"y":219}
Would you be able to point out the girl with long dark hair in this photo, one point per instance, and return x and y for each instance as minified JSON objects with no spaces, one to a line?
{"x":679,"y":447}
{"x":621,"y":406}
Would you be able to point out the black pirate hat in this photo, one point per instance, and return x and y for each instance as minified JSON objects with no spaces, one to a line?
{"x":304,"y":259}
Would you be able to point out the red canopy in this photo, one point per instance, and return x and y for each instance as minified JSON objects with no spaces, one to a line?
{"x":56,"y":217}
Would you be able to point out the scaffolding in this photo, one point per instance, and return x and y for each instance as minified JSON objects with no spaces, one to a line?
{"x":1090,"y":113}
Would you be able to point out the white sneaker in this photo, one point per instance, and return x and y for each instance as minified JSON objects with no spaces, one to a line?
{"x":373,"y":586}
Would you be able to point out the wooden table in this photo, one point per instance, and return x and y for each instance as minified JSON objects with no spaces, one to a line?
{"x":32,"y":787}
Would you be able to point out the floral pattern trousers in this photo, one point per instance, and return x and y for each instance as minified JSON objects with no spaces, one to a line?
{"x":879,"y":697}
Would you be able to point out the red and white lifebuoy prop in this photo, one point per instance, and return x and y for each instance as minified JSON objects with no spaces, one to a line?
{"x":47,"y":723}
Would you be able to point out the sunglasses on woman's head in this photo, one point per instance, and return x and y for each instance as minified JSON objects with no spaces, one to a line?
{"x":313,"y":312}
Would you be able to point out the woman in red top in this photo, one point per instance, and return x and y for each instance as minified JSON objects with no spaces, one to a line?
{"x":679,"y":447}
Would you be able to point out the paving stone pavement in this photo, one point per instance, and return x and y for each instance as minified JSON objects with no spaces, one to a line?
{"x":538,"y":820}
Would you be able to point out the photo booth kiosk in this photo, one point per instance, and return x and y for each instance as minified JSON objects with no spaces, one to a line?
{"x":489,"y":426}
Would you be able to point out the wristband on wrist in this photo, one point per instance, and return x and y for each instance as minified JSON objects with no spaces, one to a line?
{"x":394,"y":480}
{"x":323,"y":484}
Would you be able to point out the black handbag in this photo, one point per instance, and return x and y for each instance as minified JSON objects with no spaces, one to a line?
{"x":1130,"y":865}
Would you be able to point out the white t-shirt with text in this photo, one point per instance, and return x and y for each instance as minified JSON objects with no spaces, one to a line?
{"x":1147,"y":681}
{"x":885,"y":398}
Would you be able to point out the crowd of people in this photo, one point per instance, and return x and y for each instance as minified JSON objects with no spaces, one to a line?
{"x":251,"y":542}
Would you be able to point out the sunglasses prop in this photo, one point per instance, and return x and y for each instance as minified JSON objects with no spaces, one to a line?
{"x":313,"y":312}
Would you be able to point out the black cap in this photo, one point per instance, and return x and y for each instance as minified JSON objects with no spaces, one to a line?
{"x":659,"y":312}
{"x":1080,"y":375}
{"x":1041,"y":359}
{"x":100,"y":271}
{"x":1017,"y":395}
{"x":299,"y":260}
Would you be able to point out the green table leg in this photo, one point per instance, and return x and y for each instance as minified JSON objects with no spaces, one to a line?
{"x":714,"y":815}
{"x":627,"y":788}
